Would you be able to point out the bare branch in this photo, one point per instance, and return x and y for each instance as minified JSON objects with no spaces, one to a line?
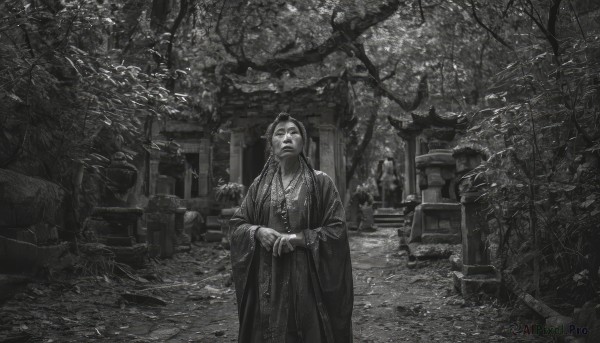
{"x":376,"y":82}
{"x":490,"y":31}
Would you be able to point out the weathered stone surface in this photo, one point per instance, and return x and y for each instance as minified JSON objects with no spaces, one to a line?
{"x":41,"y":233}
{"x":424,"y":251}
{"x":194,"y":224}
{"x":471,"y":285}
{"x":17,"y":255}
{"x":436,"y":157}
{"x":161,"y":234}
{"x":226,"y":215}
{"x":213,"y":236}
{"x":436,"y":223}
{"x":163,"y":202}
{"x":470,"y":270}
{"x":455,"y":262}
{"x":25,"y":200}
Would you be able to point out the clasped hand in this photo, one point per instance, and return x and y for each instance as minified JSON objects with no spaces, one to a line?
{"x":274,"y":241}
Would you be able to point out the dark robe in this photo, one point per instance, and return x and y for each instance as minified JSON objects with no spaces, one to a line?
{"x":307,"y":293}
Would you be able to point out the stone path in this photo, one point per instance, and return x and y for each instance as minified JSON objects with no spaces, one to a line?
{"x":392,"y":303}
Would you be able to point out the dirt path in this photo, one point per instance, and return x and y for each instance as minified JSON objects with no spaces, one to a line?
{"x":392,"y":303}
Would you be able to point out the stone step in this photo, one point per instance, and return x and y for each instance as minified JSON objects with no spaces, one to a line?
{"x":388,"y":219}
{"x":388,"y":225}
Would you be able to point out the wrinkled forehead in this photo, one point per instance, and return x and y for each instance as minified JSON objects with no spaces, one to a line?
{"x":286,"y":125}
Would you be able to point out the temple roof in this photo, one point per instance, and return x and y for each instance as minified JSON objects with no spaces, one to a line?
{"x":443,"y":125}
{"x":305,"y":99}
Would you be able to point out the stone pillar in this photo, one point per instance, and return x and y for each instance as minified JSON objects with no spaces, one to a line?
{"x":477,"y":273}
{"x":434,"y":164}
{"x":410,"y":174}
{"x":187,"y":184}
{"x":153,"y":175}
{"x":236,"y":149}
{"x":204,"y":167}
{"x":327,"y":144}
{"x":435,"y":182}
{"x":474,"y":256}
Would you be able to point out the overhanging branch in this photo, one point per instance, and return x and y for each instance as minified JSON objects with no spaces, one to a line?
{"x":343,"y":33}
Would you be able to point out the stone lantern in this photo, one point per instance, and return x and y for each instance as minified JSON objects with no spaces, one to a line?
{"x":477,"y":272}
{"x":115,"y":223}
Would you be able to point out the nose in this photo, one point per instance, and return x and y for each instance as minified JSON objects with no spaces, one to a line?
{"x":287,"y":137}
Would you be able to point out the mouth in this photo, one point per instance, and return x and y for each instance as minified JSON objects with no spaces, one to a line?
{"x":287,"y":148}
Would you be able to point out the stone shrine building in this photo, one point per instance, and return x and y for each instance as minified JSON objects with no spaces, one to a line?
{"x":193,"y":159}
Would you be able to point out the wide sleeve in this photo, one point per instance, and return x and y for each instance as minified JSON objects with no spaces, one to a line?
{"x":330,"y":237}
{"x":330,"y":250}
{"x":242,"y":227}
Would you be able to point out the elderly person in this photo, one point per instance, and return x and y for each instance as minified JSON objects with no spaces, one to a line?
{"x":289,"y":249}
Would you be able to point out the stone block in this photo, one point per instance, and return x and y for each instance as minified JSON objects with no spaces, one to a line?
{"x":428,"y":251}
{"x":439,"y":157}
{"x":456,"y":279}
{"x":431,"y":195}
{"x":161,"y":234}
{"x":194,"y":224}
{"x":213,"y":236}
{"x":455,"y":262}
{"x":474,"y":284}
{"x":163,"y":202}
{"x":25,"y":200}
{"x":469,"y":270}
{"x":21,"y":256}
{"x":212,"y":223}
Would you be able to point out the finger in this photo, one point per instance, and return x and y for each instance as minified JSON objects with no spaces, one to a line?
{"x":290,"y":246}
{"x":275,"y":246}
{"x":280,"y":247}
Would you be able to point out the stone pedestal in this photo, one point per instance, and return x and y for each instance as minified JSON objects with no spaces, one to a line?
{"x":117,"y":226}
{"x":115,"y":222}
{"x":213,"y":232}
{"x":366,"y":218}
{"x":436,"y":223}
{"x":439,"y":168}
{"x":236,"y":155}
{"x":477,"y":274}
{"x":436,"y":220}
{"x":410,"y":173}
{"x":224,"y":218}
{"x":165,"y":221}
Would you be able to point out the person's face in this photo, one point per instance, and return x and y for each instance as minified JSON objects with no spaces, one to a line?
{"x":287,"y":140}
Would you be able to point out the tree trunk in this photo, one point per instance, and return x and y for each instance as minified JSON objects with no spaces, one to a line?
{"x":360,"y":150}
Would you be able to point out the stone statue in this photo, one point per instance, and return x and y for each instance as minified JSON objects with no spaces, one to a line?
{"x":388,"y":181}
{"x":121,"y":176}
